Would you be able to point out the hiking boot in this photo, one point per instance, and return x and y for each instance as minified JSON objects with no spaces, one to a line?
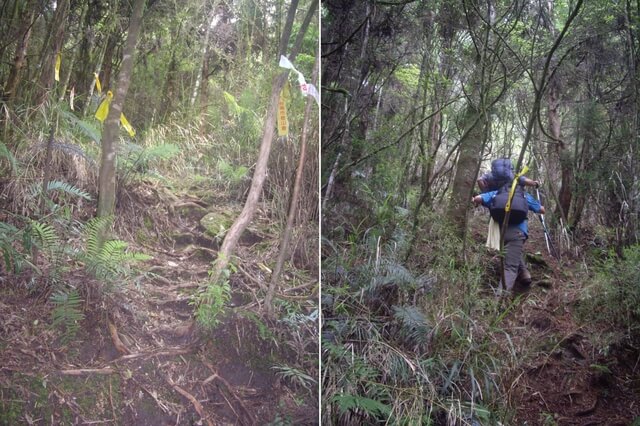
{"x":524,"y":276}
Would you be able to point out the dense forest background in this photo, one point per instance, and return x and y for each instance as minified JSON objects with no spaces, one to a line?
{"x":135,"y":140}
{"x":417,"y":99}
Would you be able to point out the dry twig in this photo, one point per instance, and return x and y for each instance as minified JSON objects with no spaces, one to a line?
{"x":81,"y":371}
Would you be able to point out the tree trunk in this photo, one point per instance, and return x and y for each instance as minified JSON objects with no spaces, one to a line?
{"x":203,"y":59}
{"x":19,"y":59}
{"x":51,"y":50}
{"x":107,"y":62}
{"x":260,"y":173}
{"x":560,"y":152}
{"x":107,"y":177}
{"x":293,"y":202}
{"x":466,"y":168}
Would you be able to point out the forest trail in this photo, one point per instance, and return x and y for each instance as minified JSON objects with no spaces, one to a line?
{"x":563,"y":378}
{"x":137,"y":359}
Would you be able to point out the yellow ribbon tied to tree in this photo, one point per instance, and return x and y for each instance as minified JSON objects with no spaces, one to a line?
{"x":283,"y":122}
{"x":57,"y":68}
{"x":125,"y":123}
{"x":103,"y":111}
{"x":524,"y":170}
{"x":98,"y":85}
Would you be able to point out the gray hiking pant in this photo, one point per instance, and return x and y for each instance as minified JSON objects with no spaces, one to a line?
{"x":513,"y":241}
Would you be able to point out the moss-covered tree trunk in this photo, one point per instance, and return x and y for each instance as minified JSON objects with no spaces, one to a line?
{"x":466,"y":168}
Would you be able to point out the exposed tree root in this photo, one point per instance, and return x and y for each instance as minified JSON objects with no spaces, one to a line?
{"x":196,"y":404}
{"x":120,"y":347}
{"x":229,"y":389}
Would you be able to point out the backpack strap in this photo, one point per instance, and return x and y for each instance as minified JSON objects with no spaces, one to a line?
{"x":524,"y":170}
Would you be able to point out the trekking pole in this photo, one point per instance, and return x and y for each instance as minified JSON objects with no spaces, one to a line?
{"x":547,"y":238}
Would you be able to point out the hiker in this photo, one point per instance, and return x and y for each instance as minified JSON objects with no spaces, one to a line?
{"x":517,"y":230}
{"x":501,"y":173}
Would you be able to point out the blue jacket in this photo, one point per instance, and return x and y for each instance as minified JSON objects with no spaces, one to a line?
{"x":534,"y":206}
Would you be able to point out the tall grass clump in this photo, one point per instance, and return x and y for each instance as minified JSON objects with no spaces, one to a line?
{"x":612,"y":296}
{"x":409,"y":342}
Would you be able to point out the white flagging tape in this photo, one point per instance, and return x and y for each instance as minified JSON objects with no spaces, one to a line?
{"x":307,"y":89}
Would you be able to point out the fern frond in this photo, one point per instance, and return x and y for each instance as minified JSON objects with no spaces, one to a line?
{"x":67,"y":312}
{"x":56,"y":185}
{"x":85,"y":127}
{"x":231,"y":173}
{"x":43,"y":233}
{"x":94,"y":232}
{"x":5,"y":153}
{"x":107,"y":259}
{"x":347,"y":402}
{"x":414,"y":327}
{"x":395,"y":272}
{"x":295,"y":376}
{"x":232,"y":103}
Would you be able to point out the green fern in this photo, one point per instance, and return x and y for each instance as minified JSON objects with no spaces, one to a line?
{"x":233,"y":105}
{"x":106,"y":259}
{"x":161,"y":152}
{"x":5,"y":153}
{"x":95,"y":231}
{"x":13,"y":259}
{"x":414,"y":328}
{"x":56,"y":185}
{"x":231,"y":173}
{"x":40,"y":233}
{"x":85,"y":127}
{"x":295,"y":376}
{"x":211,"y":303}
{"x":370,"y":406}
{"x":67,"y":312}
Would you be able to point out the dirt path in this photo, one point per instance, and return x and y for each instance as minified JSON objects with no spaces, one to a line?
{"x":566,"y":374}
{"x":137,"y":359}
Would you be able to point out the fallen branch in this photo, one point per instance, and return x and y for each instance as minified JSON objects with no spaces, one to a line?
{"x":251,"y":278}
{"x":172,"y":352}
{"x":300,"y":287}
{"x":192,"y":399}
{"x":81,"y":371}
{"x":190,"y":204}
{"x":191,"y":249}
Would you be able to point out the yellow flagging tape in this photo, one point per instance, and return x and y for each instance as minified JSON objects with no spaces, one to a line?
{"x":125,"y":123}
{"x":103,"y":111}
{"x":57,"y":69}
{"x":283,"y":121}
{"x":98,"y":85}
{"x":524,"y":170}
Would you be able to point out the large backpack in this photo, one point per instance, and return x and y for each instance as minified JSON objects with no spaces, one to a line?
{"x":519,"y":205}
{"x":502,"y":171}
{"x":501,"y":174}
